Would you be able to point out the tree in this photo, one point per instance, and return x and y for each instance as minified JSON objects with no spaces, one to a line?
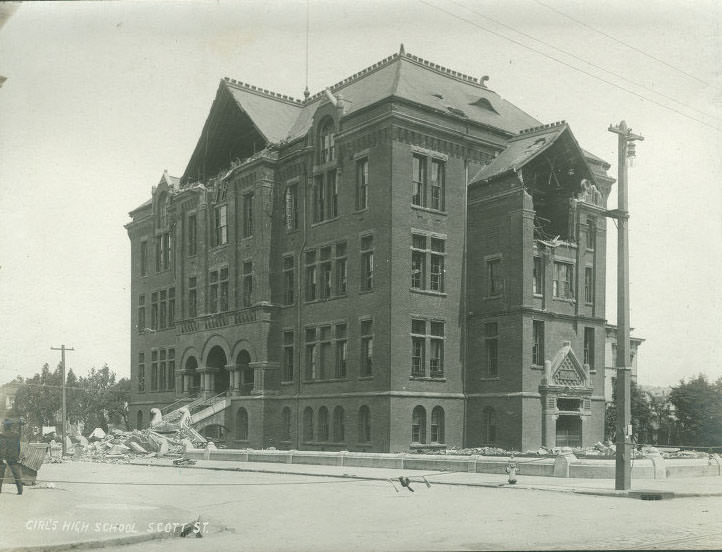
{"x":642,"y":416}
{"x":698,"y":407}
{"x":39,"y":398}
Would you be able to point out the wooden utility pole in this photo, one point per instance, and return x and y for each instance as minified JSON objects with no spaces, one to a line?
{"x":62,"y":350}
{"x":623,"y":473}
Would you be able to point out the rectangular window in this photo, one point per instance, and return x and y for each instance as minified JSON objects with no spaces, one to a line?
{"x":192,"y":234}
{"x":538,"y":277}
{"x":418,"y":261}
{"x":367,"y":348}
{"x":325,"y":273}
{"x":563,"y":280}
{"x":163,"y":309}
{"x":141,"y":313}
{"x":324,"y":364}
{"x":248,"y":215}
{"x":311,"y":354}
{"x":495,"y":278}
{"x":224,"y":289}
{"x":220,"y":218}
{"x":158,"y":254}
{"x":418,"y":181}
{"x":288,"y":356}
{"x":437,"y":264}
{"x":588,"y":285}
{"x":591,"y":233}
{"x":418,"y":348}
{"x":291,"y":208}
{"x":154,"y":371}
{"x":289,"y":280}
{"x":213,"y":292}
{"x":437,"y":185}
{"x":491,"y":342}
{"x":154,"y":311}
{"x":141,"y":372}
{"x":162,"y":373}
{"x":166,"y":249}
{"x":341,"y":268}
{"x":589,"y":347}
{"x":311,"y":283}
{"x":341,"y":351}
{"x":247,"y":284}
{"x":192,"y":298}
{"x":332,"y":194}
{"x":367,"y":263}
{"x":362,"y":184}
{"x":436,"y":343}
{"x":143,"y":258}
{"x":319,"y":199}
{"x":171,"y":369}
{"x":171,"y":306}
{"x":537,"y":351}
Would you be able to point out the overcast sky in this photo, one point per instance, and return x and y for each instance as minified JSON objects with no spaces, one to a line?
{"x":102,"y":97}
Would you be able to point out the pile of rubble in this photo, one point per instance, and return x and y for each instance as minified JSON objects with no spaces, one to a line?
{"x":119,"y":446}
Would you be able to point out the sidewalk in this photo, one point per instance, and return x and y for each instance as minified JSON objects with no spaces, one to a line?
{"x":85,"y":515}
{"x":649,"y":489}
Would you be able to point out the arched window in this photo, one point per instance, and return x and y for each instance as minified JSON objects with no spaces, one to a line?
{"x":326,"y":142}
{"x":139,"y":420}
{"x":437,"y":425}
{"x":488,"y":428}
{"x":308,"y":424}
{"x":338,"y":429}
{"x":323,"y":424}
{"x":242,"y":424}
{"x":418,"y":425}
{"x":286,"y":424}
{"x":364,"y":424}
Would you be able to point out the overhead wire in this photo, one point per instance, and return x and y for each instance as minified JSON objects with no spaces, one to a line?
{"x":570,"y":66}
{"x":630,"y":46}
{"x":583,"y":60}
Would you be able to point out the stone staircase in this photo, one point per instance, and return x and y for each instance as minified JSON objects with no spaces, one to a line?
{"x":200,"y":408}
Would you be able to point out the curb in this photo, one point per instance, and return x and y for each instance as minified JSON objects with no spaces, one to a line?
{"x":91,"y":544}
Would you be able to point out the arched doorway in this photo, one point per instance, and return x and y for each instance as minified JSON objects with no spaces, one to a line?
{"x":221,"y":376}
{"x":245,"y":372}
{"x":569,"y":431}
{"x":191,"y":367}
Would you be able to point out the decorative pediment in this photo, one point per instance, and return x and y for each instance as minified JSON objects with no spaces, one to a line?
{"x":566,"y":370}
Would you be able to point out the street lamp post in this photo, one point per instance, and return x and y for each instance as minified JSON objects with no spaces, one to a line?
{"x":623,"y":472}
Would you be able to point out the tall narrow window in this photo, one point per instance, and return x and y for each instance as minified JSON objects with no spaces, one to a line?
{"x":319,"y":199}
{"x":192,"y":234}
{"x":437,"y":184}
{"x":418,"y":425}
{"x":166,"y":241}
{"x":308,"y":424}
{"x":158,"y":253}
{"x":437,"y":425}
{"x":437,"y":264}
{"x":171,"y":307}
{"x":418,"y":181}
{"x":324,"y":362}
{"x":325,"y":273}
{"x":288,"y":356}
{"x":141,"y":372}
{"x":221,"y":224}
{"x":224,"y":289}
{"x":143,"y":258}
{"x":418,"y":261}
{"x":248,"y":215}
{"x":364,"y":424}
{"x":488,"y":428}
{"x":141,"y":313}
{"x":563,"y":280}
{"x":436,"y":345}
{"x":162,"y":374}
{"x":247,"y":284}
{"x":367,"y":348}
{"x":154,"y":370}
{"x":495,"y":278}
{"x":163,"y":309}
{"x":341,"y":269}
{"x":332,"y":194}
{"x":213,"y":291}
{"x":286,"y":425}
{"x":242,"y":424}
{"x":311,"y":283}
{"x":362,"y":184}
{"x":537,"y":352}
{"x":591,"y":233}
{"x":339,"y":432}
{"x":491,"y":343}
{"x":588,"y":285}
{"x":154,"y":310}
{"x":292,"y":208}
{"x":589,"y":347}
{"x":341,"y":351}
{"x":367,"y":263}
{"x":311,"y":354}
{"x":537,"y":277}
{"x":289,"y":280}
{"x":171,"y":370}
{"x":418,"y":348}
{"x":323,"y":424}
{"x":192,"y":297}
{"x":326,"y":142}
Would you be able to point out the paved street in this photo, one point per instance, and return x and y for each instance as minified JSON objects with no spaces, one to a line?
{"x":260,"y":511}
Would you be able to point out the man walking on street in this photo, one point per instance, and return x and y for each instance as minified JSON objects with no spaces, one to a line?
{"x":10,"y":452}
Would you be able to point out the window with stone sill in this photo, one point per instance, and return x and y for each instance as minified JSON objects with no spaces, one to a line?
{"x":288,"y":356}
{"x":495,"y":279}
{"x":491,"y":345}
{"x":418,"y":425}
{"x":563,"y":284}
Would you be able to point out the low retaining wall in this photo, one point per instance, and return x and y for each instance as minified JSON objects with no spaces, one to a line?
{"x":566,"y":465}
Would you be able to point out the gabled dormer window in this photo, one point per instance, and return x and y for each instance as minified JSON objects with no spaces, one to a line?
{"x":163,"y":202}
{"x":326,"y":142}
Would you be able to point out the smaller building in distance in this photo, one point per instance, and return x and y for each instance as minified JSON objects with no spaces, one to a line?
{"x":610,"y":359}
